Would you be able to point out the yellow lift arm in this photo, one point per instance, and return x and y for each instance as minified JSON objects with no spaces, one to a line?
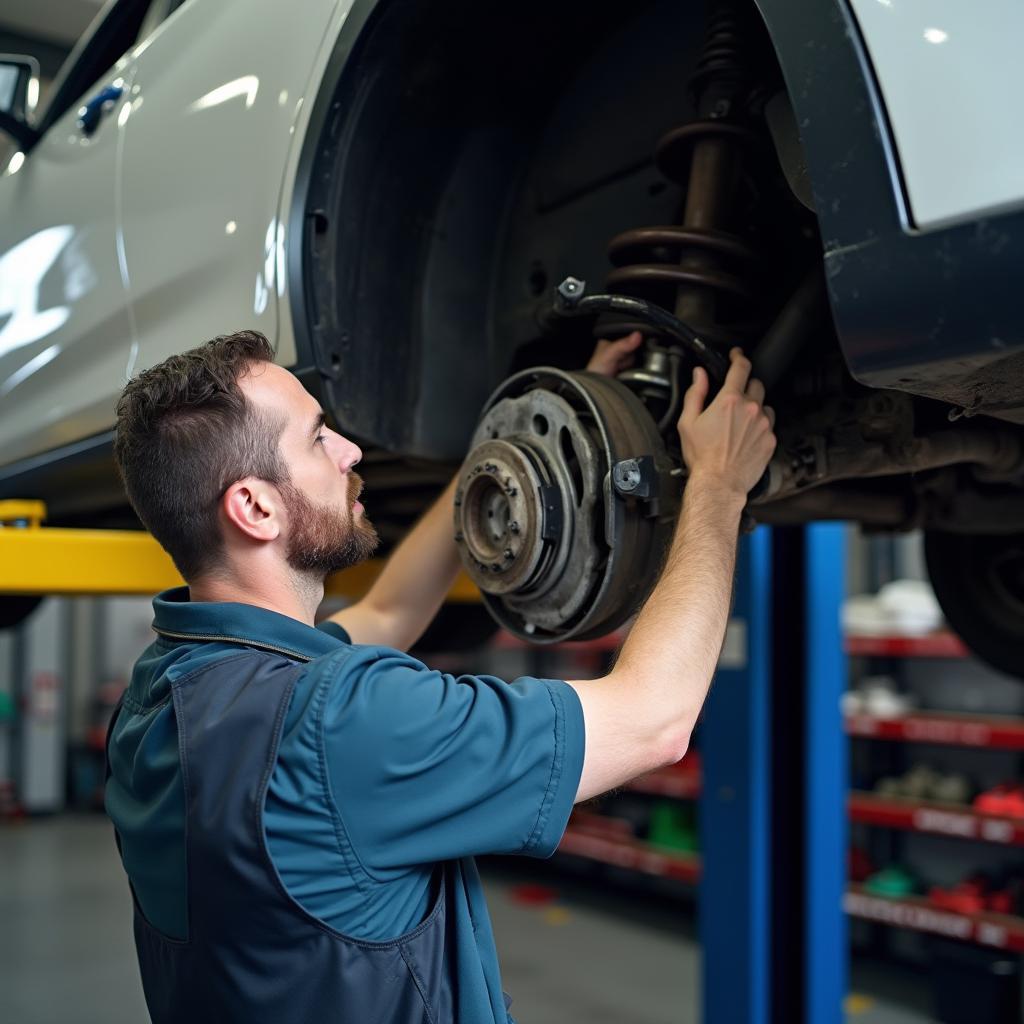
{"x":37,"y":559}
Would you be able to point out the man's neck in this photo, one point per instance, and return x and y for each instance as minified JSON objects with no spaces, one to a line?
{"x":296,"y":597}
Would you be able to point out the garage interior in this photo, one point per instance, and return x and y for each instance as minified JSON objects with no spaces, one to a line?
{"x":840,"y":843}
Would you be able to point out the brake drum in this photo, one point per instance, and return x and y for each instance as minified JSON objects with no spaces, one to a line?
{"x":565,"y":505}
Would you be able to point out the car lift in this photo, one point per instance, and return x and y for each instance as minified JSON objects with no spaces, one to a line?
{"x":773,"y":804}
{"x":54,"y":560}
{"x":772,"y":811}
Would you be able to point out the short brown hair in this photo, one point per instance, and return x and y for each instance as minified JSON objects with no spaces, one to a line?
{"x":185,"y":432}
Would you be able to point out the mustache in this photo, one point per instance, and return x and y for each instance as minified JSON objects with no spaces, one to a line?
{"x":355,"y":483}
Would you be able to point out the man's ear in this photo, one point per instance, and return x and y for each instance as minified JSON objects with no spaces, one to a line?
{"x":254,"y":507}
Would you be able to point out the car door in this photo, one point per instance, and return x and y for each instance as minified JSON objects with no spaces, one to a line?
{"x":65,"y":330}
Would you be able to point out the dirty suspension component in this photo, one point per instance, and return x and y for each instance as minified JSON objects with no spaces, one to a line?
{"x":699,"y":268}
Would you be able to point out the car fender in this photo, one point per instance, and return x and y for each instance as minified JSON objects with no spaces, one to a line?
{"x":932,"y":312}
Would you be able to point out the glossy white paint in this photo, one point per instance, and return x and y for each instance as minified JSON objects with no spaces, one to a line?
{"x":205,"y":151}
{"x":64,"y":325}
{"x":950,"y":75}
{"x":165,"y":228}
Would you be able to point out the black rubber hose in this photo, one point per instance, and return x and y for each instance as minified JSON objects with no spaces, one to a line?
{"x":571,"y":300}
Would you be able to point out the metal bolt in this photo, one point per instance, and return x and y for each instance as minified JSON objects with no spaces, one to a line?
{"x":511,"y":492}
{"x":459,"y":537}
{"x":513,"y":526}
{"x":627,"y":475}
{"x":509,"y":555}
{"x":495,"y":567}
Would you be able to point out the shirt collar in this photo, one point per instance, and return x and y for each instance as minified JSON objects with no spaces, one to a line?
{"x":177,"y":617}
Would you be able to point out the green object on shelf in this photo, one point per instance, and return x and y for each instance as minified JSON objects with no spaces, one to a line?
{"x":673,"y":827}
{"x":6,"y":708}
{"x":891,"y":881}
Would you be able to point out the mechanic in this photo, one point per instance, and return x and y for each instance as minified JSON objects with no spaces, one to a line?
{"x":297,"y":806}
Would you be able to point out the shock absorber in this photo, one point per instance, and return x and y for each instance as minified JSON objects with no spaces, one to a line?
{"x":700,"y":268}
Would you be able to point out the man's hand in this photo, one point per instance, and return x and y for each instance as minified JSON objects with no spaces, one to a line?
{"x":612,"y":357}
{"x":732,"y":440}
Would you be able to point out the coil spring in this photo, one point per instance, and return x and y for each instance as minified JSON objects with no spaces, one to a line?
{"x":697,"y":267}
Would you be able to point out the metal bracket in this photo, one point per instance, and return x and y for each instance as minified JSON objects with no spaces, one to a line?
{"x":636,"y":478}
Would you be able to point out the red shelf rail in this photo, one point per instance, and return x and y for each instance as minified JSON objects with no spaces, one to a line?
{"x":917,"y":914}
{"x":995,"y":732}
{"x":935,"y":819}
{"x":626,"y":852}
{"x":942,"y":644}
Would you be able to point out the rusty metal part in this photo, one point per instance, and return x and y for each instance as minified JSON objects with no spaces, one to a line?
{"x":996,"y":456}
{"x":699,"y":268}
{"x":943,"y":502}
{"x":560,"y":546}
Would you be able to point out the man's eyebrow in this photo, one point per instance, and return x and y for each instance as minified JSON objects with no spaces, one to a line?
{"x":318,"y":424}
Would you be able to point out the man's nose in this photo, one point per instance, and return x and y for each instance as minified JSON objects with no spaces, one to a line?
{"x":349,"y":455}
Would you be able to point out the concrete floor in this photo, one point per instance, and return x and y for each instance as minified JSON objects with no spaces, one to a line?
{"x":593,"y":954}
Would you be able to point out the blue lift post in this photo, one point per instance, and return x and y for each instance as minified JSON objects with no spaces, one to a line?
{"x":773,"y":805}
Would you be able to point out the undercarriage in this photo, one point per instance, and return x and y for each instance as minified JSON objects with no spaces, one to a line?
{"x":657,"y":157}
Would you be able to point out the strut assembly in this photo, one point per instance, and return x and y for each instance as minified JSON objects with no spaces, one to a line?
{"x":567,"y":500}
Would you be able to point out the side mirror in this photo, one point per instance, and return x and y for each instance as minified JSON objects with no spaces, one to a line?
{"x":19,"y":94}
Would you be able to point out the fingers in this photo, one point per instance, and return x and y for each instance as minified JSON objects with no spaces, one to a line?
{"x":755,"y":390}
{"x":611,"y":357}
{"x":739,"y":372}
{"x":696,"y":394}
{"x":770,"y":413}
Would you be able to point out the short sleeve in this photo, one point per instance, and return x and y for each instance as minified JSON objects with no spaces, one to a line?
{"x":335,"y":630}
{"x":426,"y":767}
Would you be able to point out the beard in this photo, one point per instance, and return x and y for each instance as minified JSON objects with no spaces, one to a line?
{"x":324,"y":540}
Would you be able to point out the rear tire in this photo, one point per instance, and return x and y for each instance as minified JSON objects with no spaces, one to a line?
{"x":979,"y":582}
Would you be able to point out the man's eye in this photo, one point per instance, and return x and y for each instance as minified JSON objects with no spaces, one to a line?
{"x":320,"y":439}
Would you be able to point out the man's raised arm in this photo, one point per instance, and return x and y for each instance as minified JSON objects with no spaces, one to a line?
{"x":640,"y":716}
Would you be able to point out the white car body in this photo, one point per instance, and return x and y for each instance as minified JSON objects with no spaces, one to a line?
{"x":167,"y":226}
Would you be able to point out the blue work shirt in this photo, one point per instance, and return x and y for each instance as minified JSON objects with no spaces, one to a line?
{"x":385,"y":770}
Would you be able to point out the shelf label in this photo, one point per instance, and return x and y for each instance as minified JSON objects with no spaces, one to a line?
{"x":949,"y":823}
{"x":935,"y":730}
{"x":997,"y":831}
{"x":993,"y":934}
{"x":908,"y":915}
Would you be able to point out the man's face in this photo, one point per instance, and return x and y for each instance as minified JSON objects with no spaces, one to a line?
{"x":327,"y":527}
